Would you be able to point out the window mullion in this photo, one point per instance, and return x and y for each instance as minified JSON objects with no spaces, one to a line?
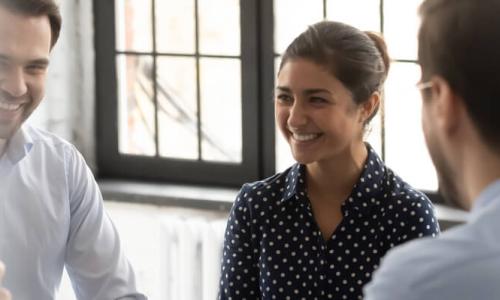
{"x":198,"y":85}
{"x":155,"y":83}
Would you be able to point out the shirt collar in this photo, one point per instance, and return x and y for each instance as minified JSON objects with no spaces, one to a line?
{"x":295,"y":183}
{"x":369,"y":186}
{"x":19,"y":145}
{"x":364,"y":194}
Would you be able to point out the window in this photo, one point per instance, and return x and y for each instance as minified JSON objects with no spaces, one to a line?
{"x":178,"y":91}
{"x":185,"y":87}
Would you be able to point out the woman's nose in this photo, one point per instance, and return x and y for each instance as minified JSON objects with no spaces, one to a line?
{"x":298,"y":116}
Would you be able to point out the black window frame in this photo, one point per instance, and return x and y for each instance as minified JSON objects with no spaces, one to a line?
{"x":258,"y":158}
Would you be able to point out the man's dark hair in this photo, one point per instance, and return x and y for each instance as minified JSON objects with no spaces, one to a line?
{"x":459,"y":40}
{"x":38,"y":8}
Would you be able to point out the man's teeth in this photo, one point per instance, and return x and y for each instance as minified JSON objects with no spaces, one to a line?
{"x":9,"y":106}
{"x":305,"y":137}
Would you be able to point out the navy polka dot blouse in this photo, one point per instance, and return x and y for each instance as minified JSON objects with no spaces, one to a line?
{"x":273,"y":248}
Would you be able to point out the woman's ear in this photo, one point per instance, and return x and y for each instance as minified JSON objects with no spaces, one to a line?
{"x":369,"y":106}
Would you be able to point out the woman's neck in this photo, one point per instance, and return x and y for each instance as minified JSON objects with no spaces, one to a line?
{"x":337,"y":177}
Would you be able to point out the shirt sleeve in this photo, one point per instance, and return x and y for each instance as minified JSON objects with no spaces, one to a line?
{"x":404,"y":272}
{"x":94,"y":258}
{"x":417,"y":219}
{"x":435,"y":269}
{"x":390,"y":281}
{"x":240,"y":273}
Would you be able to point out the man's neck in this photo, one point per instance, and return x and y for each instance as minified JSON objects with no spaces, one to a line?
{"x":3,"y":146}
{"x":481,"y":167}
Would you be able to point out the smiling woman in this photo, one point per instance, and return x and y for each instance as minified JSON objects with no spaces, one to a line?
{"x":319,"y":229}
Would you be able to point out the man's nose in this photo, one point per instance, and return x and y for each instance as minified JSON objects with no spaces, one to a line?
{"x":13,"y":83}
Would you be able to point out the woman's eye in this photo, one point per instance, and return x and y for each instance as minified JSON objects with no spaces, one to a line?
{"x":284,"y":98}
{"x":318,"y":100}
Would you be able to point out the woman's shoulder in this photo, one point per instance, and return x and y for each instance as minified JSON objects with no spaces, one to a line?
{"x":407,"y":207}
{"x":400,"y":197}
{"x":395,"y":188}
{"x":270,"y":188}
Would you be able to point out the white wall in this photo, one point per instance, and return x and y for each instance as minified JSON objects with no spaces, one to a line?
{"x":69,"y":106}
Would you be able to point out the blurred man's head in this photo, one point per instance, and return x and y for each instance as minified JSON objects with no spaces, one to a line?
{"x":28,"y":31}
{"x":459,"y":52}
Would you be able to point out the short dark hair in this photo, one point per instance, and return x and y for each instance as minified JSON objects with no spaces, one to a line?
{"x":38,"y":8}
{"x":357,"y":59}
{"x":459,"y":40}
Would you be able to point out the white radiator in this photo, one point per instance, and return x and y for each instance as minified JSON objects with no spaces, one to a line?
{"x":190,"y":256}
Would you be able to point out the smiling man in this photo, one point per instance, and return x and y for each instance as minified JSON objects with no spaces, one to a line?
{"x":51,"y":210}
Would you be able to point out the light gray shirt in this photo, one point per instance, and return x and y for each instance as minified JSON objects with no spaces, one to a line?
{"x":51,"y":216}
{"x":463,"y":263}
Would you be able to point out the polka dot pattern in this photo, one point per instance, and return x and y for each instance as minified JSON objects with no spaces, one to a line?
{"x":273,"y":248}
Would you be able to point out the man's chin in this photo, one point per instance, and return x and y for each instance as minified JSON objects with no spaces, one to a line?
{"x":6,"y":132}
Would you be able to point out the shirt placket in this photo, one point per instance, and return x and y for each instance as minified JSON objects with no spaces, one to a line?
{"x":320,"y":255}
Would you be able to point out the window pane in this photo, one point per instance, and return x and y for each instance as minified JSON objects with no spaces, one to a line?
{"x":221,"y":109}
{"x":133,"y":25}
{"x":373,"y":133}
{"x":400,"y":28}
{"x":177,"y":108}
{"x":219,"y":27}
{"x":284,"y":157}
{"x":175,"y":26}
{"x":350,"y":12}
{"x":135,"y":105}
{"x":406,"y":152}
{"x":291,"y":17}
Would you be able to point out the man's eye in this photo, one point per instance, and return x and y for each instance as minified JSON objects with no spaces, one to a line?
{"x":36,"y":68}
{"x":3,"y":65}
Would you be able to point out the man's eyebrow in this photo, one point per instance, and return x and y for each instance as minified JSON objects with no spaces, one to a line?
{"x":37,"y":61}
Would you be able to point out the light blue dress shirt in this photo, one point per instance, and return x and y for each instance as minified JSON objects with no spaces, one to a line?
{"x":51,"y":216}
{"x":463,"y":263}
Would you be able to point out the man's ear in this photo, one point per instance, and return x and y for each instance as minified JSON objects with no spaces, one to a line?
{"x":448,"y":105}
{"x":369,"y":106}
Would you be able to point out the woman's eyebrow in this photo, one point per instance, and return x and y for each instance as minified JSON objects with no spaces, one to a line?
{"x":284,"y":89}
{"x":315,"y":91}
